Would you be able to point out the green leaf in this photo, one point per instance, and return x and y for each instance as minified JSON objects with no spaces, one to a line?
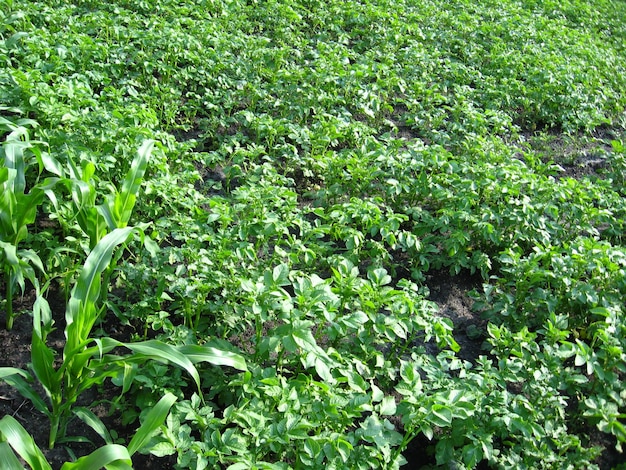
{"x":9,"y":371}
{"x":42,"y":317}
{"x":303,"y":336}
{"x":379,"y":276}
{"x":344,"y":448}
{"x":118,"y":207}
{"x":102,"y":457}
{"x":162,"y":449}
{"x":164,"y":352}
{"x":379,"y":432}
{"x":472,"y":454}
{"x":441,"y":415}
{"x":388,"y":406}
{"x":14,"y":159}
{"x":323,"y":370}
{"x":279,"y":276}
{"x":10,"y":253}
{"x":81,"y":313}
{"x":23,"y":443}
{"x":354,"y":320}
{"x":125,"y":201}
{"x":155,"y":418}
{"x":42,"y":359}
{"x":52,"y":165}
{"x":215,"y":356}
{"x":26,"y":212}
{"x":8,"y":458}
{"x":239,"y":466}
{"x":20,"y":380}
{"x":90,"y":419}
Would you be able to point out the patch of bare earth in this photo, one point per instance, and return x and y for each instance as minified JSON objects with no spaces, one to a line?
{"x":451,"y":294}
{"x":579,"y":155}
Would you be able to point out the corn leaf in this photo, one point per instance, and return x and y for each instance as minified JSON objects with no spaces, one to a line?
{"x":164,"y":352}
{"x":102,"y":457}
{"x":7,"y":204}
{"x":90,"y":419}
{"x":23,"y":443}
{"x":14,"y":158}
{"x":81,"y":312}
{"x":8,"y":458}
{"x":132,"y":182}
{"x":119,"y":206}
{"x":10,"y":253}
{"x":42,"y":359}
{"x":215,"y":356}
{"x":26,"y":212}
{"x":19,"y":379}
{"x":42,"y":317}
{"x":155,"y":418}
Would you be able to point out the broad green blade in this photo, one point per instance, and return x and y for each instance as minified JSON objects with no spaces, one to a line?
{"x":90,"y":419}
{"x":32,"y":258}
{"x":119,"y":465}
{"x":132,"y":182}
{"x":8,"y":458}
{"x":155,"y":418}
{"x":215,"y":356}
{"x":52,"y":164}
{"x":129,"y":375}
{"x":83,"y":194}
{"x":10,"y":253}
{"x":166,"y":353}
{"x":8,"y":371}
{"x":118,"y":207}
{"x":42,"y":359}
{"x":20,"y":380}
{"x":8,"y":204}
{"x":42,"y":317}
{"x":102,"y":457}
{"x":23,"y":443}
{"x":152,"y":349}
{"x":14,"y":158}
{"x":81,"y":313}
{"x":26,"y":211}
{"x":107,"y":212}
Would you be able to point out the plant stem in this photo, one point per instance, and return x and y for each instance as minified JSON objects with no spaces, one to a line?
{"x":9,"y":299}
{"x":258,"y":336}
{"x":54,"y":428}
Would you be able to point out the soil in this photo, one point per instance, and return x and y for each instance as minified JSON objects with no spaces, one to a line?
{"x":451,"y":294}
{"x":580,"y":155}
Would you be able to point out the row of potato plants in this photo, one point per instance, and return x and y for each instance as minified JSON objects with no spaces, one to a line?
{"x":316,"y":161}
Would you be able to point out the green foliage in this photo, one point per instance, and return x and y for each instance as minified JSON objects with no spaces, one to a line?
{"x":83,"y":364}
{"x":20,"y":157}
{"x":110,"y":456}
{"x":311,"y":166}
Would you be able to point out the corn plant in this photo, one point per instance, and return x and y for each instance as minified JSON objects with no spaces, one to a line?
{"x":18,"y":208}
{"x":14,"y":439}
{"x":96,"y":220}
{"x":86,"y":361}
